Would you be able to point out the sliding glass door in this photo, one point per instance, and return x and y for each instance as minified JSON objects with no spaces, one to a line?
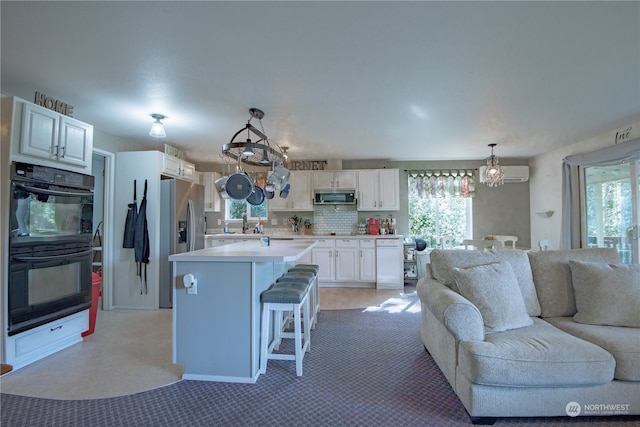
{"x":611,"y":208}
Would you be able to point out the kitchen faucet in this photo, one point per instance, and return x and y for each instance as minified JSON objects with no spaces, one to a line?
{"x":245,"y":226}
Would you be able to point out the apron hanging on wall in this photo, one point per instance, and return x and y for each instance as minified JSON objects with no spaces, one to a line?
{"x":141,"y":241}
{"x":130,"y":221}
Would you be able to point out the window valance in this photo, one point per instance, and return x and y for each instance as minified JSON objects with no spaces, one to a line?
{"x":443,"y":182}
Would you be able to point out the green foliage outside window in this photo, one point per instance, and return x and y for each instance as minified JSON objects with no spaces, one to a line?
{"x":432,"y":218}
{"x":235,"y":209}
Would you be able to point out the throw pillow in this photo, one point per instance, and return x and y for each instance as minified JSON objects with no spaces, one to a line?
{"x":606,"y":294}
{"x":493,"y":289}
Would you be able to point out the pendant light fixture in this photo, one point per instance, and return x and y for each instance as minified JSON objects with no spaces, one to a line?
{"x":493,"y":174}
{"x":157,"y":128}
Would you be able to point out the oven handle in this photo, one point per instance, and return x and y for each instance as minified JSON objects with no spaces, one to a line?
{"x":53,"y":192}
{"x":47,"y":257}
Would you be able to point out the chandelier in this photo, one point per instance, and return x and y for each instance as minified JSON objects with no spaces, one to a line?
{"x":257,"y":151}
{"x":493,"y":174}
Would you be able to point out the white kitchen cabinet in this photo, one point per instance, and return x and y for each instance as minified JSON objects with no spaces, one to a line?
{"x":322,"y":255}
{"x":213,"y":241}
{"x":389,"y":265}
{"x":378,"y":190}
{"x":300,"y":195}
{"x":39,"y":342}
{"x":43,"y":136}
{"x":178,"y":168}
{"x":367,"y":262}
{"x":334,"y":180}
{"x":212,"y":199}
{"x":346,"y":260}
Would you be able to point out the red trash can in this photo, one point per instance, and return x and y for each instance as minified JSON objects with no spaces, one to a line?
{"x":96,"y":281}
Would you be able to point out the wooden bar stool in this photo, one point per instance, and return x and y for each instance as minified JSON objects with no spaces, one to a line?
{"x":285,"y":296}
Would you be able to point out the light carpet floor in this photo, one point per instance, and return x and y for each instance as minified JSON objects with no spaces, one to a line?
{"x":131,"y":351}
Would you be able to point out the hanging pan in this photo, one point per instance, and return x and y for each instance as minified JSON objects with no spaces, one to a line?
{"x":257,"y":195}
{"x":239,"y":186}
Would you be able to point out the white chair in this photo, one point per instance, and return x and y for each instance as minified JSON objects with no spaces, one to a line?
{"x":543,"y":245}
{"x":504,"y":239}
{"x":482,"y":244}
{"x":447,"y":242}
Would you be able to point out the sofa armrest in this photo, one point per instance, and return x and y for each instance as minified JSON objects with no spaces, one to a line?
{"x":457,"y":314}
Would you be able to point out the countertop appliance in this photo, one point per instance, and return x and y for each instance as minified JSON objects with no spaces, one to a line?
{"x":182,"y":228}
{"x":328,"y":197}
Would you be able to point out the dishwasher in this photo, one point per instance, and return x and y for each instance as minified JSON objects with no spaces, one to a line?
{"x":389,"y":264}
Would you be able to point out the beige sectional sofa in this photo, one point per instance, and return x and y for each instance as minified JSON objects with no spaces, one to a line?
{"x":553,"y":333}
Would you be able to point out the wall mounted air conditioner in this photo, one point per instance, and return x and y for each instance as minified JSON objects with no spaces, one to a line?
{"x":511,"y":173}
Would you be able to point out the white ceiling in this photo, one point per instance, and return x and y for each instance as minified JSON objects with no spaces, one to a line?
{"x":336,"y":80}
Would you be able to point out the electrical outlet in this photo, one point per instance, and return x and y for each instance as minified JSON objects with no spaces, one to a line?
{"x":193,"y":289}
{"x":274,"y":222}
{"x":219,"y":221}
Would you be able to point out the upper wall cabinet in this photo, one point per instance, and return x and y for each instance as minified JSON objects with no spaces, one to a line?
{"x":40,"y":135}
{"x":334,"y":180}
{"x":212,"y":199}
{"x":300,"y":196}
{"x":178,"y":168}
{"x":378,"y":190}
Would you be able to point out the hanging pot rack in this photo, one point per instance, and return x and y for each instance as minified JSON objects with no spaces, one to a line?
{"x":264,"y":153}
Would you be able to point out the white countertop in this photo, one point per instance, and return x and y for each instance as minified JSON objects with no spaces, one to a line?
{"x":288,"y":236}
{"x":249,"y":251}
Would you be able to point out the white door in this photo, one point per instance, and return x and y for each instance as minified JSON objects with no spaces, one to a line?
{"x":389,"y":186}
{"x":368,"y":265}
{"x":75,"y":142}
{"x":323,"y":257}
{"x":611,"y":207}
{"x":346,"y":264}
{"x":40,"y":129}
{"x":367,"y":190}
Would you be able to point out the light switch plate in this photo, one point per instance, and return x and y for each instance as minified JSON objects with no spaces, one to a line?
{"x":219,"y":221}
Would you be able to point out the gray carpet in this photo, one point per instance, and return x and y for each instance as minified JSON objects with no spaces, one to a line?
{"x":364,"y":369}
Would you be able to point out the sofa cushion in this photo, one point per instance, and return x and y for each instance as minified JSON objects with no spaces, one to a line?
{"x":539,"y":355}
{"x":552,"y":277}
{"x":623,"y":343}
{"x":493,"y":289}
{"x":606,"y":294}
{"x":443,"y":260}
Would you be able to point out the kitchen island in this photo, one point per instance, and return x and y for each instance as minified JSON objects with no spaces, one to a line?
{"x":216,"y":322}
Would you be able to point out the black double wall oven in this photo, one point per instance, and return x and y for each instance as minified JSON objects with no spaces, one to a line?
{"x":50,"y":246}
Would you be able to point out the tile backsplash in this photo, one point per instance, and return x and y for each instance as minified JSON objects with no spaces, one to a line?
{"x":341,"y":219}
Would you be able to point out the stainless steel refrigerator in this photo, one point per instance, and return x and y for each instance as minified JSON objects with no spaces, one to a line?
{"x":182,"y":228}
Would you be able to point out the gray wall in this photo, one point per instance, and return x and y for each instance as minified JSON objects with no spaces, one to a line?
{"x":499,"y":210}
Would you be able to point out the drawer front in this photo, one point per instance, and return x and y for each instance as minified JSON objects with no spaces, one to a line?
{"x":325,"y":243}
{"x":388,"y":243}
{"x":347,"y":243}
{"x":367,"y":243}
{"x":50,"y":333}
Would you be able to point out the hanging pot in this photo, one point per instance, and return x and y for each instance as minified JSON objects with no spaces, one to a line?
{"x":279,"y":177}
{"x":221,"y":187}
{"x":285,"y":191}
{"x":269,"y":193}
{"x":239,"y":186}
{"x":256,"y":197}
{"x":221,"y":182}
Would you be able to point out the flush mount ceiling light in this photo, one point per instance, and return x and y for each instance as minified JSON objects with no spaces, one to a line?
{"x":285,"y":156}
{"x":157,"y":128}
{"x":257,"y":153}
{"x":493,"y":174}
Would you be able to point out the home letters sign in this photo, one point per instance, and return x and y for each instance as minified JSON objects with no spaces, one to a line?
{"x":53,"y":104}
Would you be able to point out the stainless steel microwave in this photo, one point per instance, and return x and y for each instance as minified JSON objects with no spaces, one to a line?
{"x":342,"y":197}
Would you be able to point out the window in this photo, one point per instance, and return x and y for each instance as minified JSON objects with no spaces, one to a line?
{"x":234,"y":209}
{"x":440,"y":205}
